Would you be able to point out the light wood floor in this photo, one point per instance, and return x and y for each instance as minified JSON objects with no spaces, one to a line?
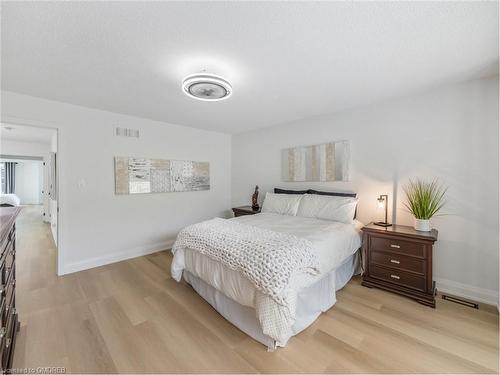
{"x":132,"y":317}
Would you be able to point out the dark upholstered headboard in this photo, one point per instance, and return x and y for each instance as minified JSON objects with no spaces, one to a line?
{"x":311,"y":191}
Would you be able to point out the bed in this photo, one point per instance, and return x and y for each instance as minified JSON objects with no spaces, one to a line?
{"x":336,"y":250}
{"x":9,"y":200}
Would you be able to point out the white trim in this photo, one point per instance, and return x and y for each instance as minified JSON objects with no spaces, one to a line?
{"x":473,"y":293}
{"x":115,"y":257}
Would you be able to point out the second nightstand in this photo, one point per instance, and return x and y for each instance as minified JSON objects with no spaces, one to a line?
{"x":244,"y":210}
{"x":399,"y":259}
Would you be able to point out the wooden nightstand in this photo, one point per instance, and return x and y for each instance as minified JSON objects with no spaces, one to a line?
{"x":399,"y":259}
{"x":244,"y":210}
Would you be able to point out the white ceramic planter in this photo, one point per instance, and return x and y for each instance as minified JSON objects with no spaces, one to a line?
{"x":423,"y":225}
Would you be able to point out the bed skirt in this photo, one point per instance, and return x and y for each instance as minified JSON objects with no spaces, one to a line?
{"x":312,"y":301}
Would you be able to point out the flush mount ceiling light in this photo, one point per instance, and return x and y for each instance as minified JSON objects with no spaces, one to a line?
{"x":208,"y":87}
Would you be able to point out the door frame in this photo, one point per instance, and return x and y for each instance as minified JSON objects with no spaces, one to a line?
{"x":60,"y":248}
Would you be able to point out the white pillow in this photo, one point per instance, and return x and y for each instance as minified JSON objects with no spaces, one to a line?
{"x":283,"y":204}
{"x":328,"y":207}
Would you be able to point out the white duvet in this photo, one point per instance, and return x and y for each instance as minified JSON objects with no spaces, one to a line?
{"x":333,"y":243}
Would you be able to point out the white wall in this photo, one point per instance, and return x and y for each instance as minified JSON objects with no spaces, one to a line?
{"x":17,"y":148}
{"x":95,"y":225}
{"x":450,"y":133}
{"x":29,"y":175}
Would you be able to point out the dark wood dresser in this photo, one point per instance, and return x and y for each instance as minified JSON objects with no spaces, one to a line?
{"x":399,"y":259}
{"x":245,"y":210}
{"x":8,"y":313}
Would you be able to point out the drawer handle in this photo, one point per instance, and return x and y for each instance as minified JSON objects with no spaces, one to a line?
{"x":395,"y":246}
{"x":395,"y":261}
{"x":395,"y":277}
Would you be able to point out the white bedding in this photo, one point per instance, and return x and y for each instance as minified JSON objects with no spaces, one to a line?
{"x":333,"y":242}
{"x":311,"y":302}
{"x":11,"y":199}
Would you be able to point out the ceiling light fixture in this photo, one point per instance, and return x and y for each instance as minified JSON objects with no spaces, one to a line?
{"x":206,"y":86}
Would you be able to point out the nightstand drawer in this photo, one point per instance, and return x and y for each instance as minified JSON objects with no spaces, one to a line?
{"x":397,"y":261}
{"x":242,"y":213}
{"x":398,"y":246}
{"x":398,"y":277}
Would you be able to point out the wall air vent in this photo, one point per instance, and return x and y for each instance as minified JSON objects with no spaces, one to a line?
{"x":126,"y":132}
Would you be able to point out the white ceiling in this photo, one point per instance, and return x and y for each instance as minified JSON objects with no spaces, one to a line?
{"x":286,"y":60}
{"x":25,"y":133}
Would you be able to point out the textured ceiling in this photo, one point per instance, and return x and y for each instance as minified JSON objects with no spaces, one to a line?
{"x":286,"y":60}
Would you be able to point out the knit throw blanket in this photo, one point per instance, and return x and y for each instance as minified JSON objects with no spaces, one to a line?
{"x":268,"y":259}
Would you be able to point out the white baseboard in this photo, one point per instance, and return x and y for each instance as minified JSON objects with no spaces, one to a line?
{"x":115,"y":257}
{"x":467,"y":291}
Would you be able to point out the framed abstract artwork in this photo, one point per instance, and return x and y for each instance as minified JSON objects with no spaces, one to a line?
{"x":143,"y":176}
{"x":322,"y":162}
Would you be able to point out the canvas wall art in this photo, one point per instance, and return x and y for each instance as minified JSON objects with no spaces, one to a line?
{"x":143,"y":175}
{"x":319,"y":163}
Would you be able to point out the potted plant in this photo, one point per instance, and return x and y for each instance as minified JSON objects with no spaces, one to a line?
{"x":424,"y":200}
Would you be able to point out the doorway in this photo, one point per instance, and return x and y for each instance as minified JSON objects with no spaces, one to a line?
{"x":28,"y":166}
